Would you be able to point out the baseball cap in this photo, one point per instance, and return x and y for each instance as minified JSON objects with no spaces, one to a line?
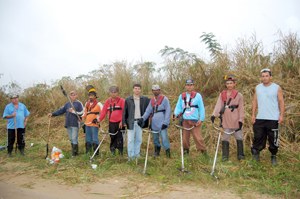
{"x":155,"y":87}
{"x":189,"y":81}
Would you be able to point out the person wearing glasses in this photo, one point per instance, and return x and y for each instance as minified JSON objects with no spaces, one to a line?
{"x":267,"y":113}
{"x":190,"y":108}
{"x":72,"y":120}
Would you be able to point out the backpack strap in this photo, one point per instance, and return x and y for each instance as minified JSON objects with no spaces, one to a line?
{"x":155,"y":103}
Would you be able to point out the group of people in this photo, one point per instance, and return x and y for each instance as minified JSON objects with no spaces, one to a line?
{"x":137,"y":112}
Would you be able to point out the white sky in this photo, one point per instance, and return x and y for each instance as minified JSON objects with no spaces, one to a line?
{"x":43,"y":40}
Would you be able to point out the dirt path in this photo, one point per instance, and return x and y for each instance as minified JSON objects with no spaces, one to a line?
{"x":15,"y":184}
{"x":26,"y":186}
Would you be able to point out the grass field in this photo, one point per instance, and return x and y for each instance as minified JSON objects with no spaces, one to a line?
{"x":241,"y":176}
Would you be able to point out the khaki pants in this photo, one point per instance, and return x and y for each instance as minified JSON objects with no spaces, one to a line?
{"x":196,"y":132}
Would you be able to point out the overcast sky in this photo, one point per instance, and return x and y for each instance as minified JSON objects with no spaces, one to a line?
{"x":43,"y":40}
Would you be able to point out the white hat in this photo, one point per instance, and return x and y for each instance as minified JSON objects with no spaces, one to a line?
{"x":155,"y":87}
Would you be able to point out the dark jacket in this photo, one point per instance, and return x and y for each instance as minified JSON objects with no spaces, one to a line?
{"x":128,"y":113}
{"x":71,"y":118}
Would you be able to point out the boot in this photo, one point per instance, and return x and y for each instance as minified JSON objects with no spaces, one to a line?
{"x":157,"y":151}
{"x":120,"y":151}
{"x":168,"y":153}
{"x":225,"y":151}
{"x":255,"y":154}
{"x":74,"y":149}
{"x":95,"y":146}
{"x":186,"y":151}
{"x":21,"y":149}
{"x":240,"y":150}
{"x":273,"y":160}
{"x":88,"y":147}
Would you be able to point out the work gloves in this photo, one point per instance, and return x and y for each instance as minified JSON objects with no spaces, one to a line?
{"x":212,"y":118}
{"x":141,"y":122}
{"x":164,"y":127}
{"x":240,"y":125}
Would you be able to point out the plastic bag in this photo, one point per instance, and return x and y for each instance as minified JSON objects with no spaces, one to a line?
{"x":56,"y":155}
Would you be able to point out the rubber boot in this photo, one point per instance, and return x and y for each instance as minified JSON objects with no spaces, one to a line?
{"x":225,"y":151}
{"x":156,"y":151}
{"x":186,"y":151}
{"x":95,"y":146}
{"x":74,"y":149}
{"x":255,"y":154}
{"x":21,"y":149}
{"x":168,"y":153}
{"x":273,"y":160}
{"x":120,"y":151}
{"x":240,"y":150}
{"x":88,"y":147}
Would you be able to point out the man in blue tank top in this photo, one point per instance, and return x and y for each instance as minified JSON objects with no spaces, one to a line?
{"x":269,"y":104}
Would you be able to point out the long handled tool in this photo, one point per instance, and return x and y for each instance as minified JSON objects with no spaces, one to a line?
{"x":48,"y":137}
{"x":182,"y":169}
{"x":65,"y":94}
{"x":217,"y":148}
{"x":147,"y":152}
{"x":104,"y":136}
{"x":16,"y":131}
{"x":146,"y":159}
{"x":215,"y":158}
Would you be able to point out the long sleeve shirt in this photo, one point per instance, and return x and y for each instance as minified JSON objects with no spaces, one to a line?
{"x":230,"y":118}
{"x":191,"y":113}
{"x":159,"y":118}
{"x":114,"y":108}
{"x":71,"y":119}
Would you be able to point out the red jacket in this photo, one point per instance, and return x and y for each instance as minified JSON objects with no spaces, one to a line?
{"x":114,"y":108}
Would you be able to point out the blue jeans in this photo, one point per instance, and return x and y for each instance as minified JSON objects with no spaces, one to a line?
{"x":134,"y":141}
{"x":164,"y":139}
{"x":91,"y":134}
{"x":73,"y":134}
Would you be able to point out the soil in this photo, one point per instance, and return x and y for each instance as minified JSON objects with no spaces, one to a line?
{"x":15,"y":185}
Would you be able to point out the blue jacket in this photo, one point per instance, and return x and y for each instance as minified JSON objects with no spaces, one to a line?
{"x":71,"y":118}
{"x":159,"y":118}
{"x":192,"y":113}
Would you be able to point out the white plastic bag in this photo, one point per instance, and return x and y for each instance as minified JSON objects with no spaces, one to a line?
{"x":56,"y":155}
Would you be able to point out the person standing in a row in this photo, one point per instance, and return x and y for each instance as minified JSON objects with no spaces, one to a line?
{"x":72,"y":119}
{"x":135,"y":107}
{"x":159,"y":110}
{"x":114,"y":107}
{"x":16,"y":114}
{"x":230,"y":109}
{"x":190,"y":107}
{"x":268,"y":102}
{"x":92,"y":110}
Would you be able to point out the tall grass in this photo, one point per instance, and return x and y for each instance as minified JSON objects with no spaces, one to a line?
{"x":245,"y":61}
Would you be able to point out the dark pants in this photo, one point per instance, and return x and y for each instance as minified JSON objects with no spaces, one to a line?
{"x":266,"y":130}
{"x":116,"y":140}
{"x":11,"y":136}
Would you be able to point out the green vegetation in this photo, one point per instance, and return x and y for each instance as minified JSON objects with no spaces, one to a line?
{"x":245,"y":61}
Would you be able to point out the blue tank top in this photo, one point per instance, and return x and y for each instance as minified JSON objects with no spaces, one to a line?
{"x":267,"y":101}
